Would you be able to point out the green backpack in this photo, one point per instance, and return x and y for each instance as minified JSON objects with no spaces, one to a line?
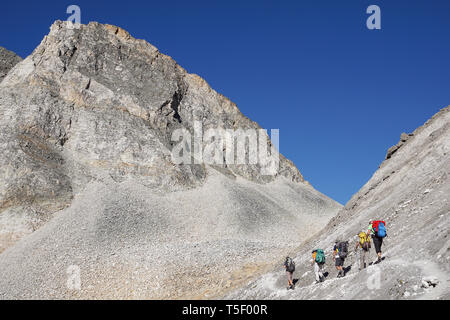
{"x":320,"y":256}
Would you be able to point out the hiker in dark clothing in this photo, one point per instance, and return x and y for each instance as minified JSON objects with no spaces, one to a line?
{"x":340,"y":250}
{"x":289,"y":264}
{"x":376,"y":238}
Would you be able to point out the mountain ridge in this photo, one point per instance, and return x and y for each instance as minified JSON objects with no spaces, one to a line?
{"x":409,"y":192}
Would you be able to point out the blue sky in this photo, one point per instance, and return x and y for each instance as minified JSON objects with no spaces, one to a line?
{"x":340,"y":94}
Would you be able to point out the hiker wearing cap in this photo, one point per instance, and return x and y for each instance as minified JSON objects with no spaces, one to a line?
{"x":363,"y":244}
{"x":289,"y":264}
{"x":318,"y":263}
{"x":340,"y":251}
{"x":377,"y":229}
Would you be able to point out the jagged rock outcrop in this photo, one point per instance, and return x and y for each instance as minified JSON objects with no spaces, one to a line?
{"x":403,"y":138}
{"x":86,"y":125}
{"x":410,"y":192}
{"x":8,"y":60}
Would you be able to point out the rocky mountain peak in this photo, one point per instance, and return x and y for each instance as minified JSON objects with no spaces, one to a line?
{"x":8,"y":60}
{"x":90,"y":134}
{"x":99,"y":71}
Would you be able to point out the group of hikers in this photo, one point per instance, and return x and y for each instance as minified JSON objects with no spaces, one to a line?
{"x":376,"y":231}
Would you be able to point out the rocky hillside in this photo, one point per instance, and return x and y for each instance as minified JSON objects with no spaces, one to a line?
{"x":88,"y":181}
{"x":410,"y":192}
{"x":8,"y":59}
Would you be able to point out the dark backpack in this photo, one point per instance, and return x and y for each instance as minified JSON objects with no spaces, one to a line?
{"x":290,"y":265}
{"x":343,"y":249}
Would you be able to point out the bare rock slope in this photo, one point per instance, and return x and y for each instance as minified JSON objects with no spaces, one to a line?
{"x":88,"y":185}
{"x":410,"y":192}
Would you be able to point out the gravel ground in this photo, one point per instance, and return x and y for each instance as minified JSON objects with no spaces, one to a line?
{"x":130,"y":242}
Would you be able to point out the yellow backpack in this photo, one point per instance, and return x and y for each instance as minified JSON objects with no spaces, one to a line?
{"x":364,"y":241}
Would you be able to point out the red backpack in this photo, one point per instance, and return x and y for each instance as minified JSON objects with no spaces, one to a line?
{"x":376,"y":223}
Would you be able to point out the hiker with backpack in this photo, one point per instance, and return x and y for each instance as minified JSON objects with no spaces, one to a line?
{"x":318,"y":262}
{"x":340,"y":251}
{"x":289,"y":264}
{"x":377,"y":229}
{"x":363,"y":243}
